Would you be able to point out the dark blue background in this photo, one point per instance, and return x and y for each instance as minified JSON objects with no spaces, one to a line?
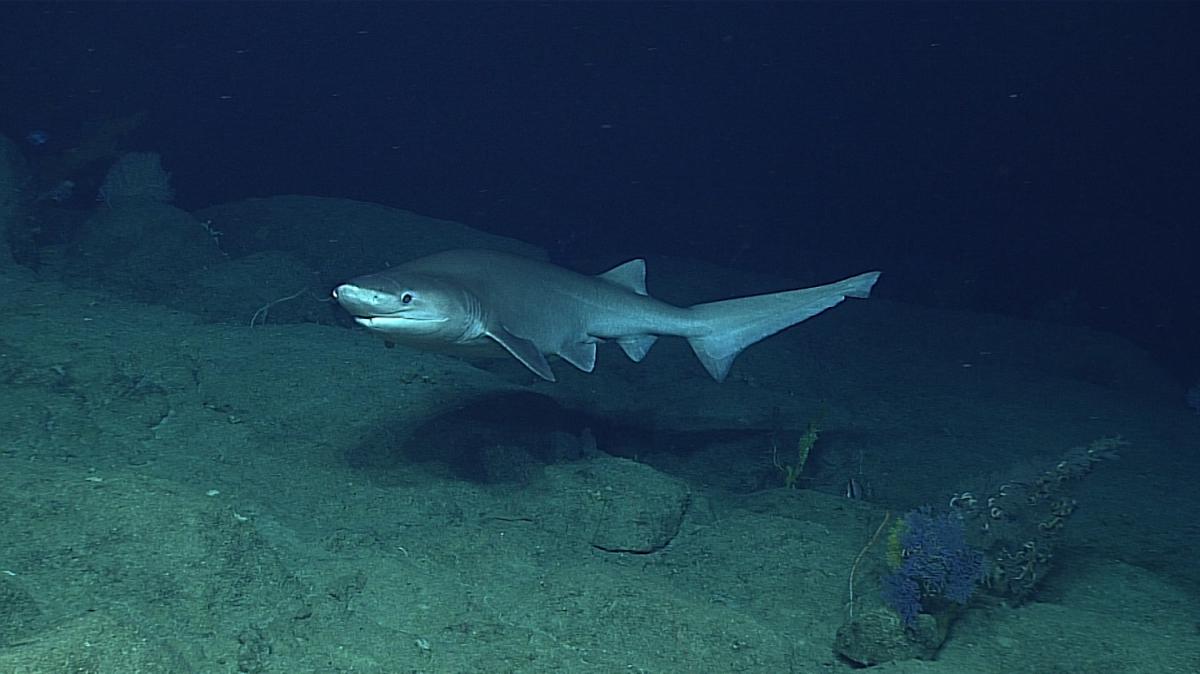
{"x":1000,"y":157}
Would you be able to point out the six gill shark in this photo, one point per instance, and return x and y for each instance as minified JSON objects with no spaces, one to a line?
{"x":534,"y":309}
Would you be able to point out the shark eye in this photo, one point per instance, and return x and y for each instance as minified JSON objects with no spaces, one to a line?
{"x":406,"y":298}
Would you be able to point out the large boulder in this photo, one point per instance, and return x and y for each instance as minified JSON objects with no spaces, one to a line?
{"x":147,"y":248}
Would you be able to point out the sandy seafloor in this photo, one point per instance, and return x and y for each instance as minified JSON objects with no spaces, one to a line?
{"x":184,"y":495}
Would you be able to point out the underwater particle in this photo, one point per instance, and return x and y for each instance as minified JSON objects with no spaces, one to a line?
{"x":37,"y":137}
{"x":1192,"y":398}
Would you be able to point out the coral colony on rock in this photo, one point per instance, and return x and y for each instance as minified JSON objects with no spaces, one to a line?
{"x":1001,"y":540}
{"x":932,"y":563}
{"x":1018,"y":524}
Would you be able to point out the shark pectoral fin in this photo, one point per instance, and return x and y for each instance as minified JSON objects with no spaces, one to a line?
{"x":523,"y":350}
{"x":580,"y":354}
{"x":636,"y":346}
{"x":630,"y":275}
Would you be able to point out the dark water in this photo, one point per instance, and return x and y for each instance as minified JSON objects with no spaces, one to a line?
{"x":1031,"y":159}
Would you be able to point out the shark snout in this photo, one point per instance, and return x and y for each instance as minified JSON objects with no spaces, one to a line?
{"x":361,"y":301}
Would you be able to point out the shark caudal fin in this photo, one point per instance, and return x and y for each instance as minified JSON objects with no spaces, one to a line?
{"x":732,"y":325}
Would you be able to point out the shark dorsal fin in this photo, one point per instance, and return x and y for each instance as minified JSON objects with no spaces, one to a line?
{"x":523,"y":350}
{"x":631,"y":275}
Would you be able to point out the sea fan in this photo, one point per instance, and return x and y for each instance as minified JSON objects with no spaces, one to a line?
{"x":935,"y":561}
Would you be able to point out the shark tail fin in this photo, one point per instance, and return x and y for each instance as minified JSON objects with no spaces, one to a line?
{"x":732,"y":325}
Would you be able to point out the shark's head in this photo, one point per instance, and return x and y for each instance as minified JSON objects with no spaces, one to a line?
{"x":414,"y":306}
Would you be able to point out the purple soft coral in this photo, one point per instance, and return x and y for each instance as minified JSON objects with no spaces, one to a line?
{"x":936,"y":562}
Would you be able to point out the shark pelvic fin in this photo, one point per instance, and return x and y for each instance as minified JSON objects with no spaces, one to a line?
{"x":580,"y":354}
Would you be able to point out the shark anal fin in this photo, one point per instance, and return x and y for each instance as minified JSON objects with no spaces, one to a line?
{"x":525,"y":351}
{"x":630,"y":275}
{"x":636,"y":346}
{"x":580,"y":354}
{"x":717,"y":365}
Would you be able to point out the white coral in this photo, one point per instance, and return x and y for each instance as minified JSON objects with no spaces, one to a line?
{"x":137,"y":176}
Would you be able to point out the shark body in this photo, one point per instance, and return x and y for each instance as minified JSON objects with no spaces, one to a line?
{"x":534,"y":309}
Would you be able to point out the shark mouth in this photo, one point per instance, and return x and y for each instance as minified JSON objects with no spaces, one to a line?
{"x":394,"y":319}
